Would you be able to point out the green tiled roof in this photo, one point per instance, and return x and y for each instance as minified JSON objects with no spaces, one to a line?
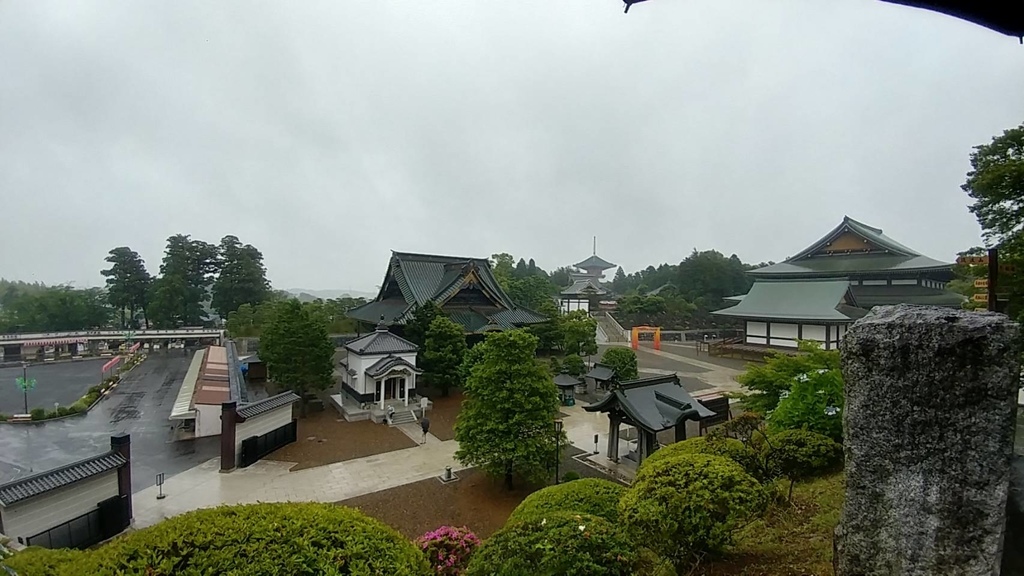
{"x":893,"y":257}
{"x":870,"y":296}
{"x":422,"y":278}
{"x":595,"y":261}
{"x":818,"y":300}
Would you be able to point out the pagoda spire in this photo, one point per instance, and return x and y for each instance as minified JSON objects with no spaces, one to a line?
{"x":595,"y":245}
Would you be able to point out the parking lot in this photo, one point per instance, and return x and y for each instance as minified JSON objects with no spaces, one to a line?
{"x":57,"y":382}
{"x":139,"y":406}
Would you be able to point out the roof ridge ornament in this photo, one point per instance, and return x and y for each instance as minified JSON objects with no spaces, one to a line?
{"x":382,"y":326}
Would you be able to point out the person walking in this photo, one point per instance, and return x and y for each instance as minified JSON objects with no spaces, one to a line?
{"x":425,"y":425}
{"x":391,"y":414}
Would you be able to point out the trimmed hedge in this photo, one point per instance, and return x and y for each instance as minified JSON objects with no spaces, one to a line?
{"x":35,"y":561}
{"x":584,"y":496}
{"x":256,"y":539}
{"x":688,"y":504}
{"x":560,"y":543}
{"x":802,"y":454}
{"x":712,"y":445}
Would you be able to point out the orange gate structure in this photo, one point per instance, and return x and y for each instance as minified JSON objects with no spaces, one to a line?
{"x":635,"y":340}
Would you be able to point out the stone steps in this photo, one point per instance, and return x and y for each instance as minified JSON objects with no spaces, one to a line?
{"x":403,"y":417}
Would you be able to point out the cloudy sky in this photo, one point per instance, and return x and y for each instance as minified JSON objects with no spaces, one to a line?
{"x":327,"y":133}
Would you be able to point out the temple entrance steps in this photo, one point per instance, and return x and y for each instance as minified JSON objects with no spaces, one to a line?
{"x":613,"y":332}
{"x":403,"y":417}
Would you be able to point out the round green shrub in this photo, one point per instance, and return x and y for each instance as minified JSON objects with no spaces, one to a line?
{"x":585,"y":496}
{"x":560,"y":543}
{"x":689,"y":504}
{"x":35,"y":561}
{"x":574,"y":365}
{"x":38,"y":413}
{"x":623,"y":361}
{"x":280,"y":538}
{"x":711,"y":445}
{"x":570,"y":476}
{"x":802,"y":454}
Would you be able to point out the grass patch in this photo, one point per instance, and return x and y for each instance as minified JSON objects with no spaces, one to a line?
{"x":790,"y":540}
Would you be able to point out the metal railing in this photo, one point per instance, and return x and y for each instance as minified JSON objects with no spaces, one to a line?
{"x":112,"y":334}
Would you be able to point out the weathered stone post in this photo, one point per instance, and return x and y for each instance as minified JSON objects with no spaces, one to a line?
{"x":928,"y":424}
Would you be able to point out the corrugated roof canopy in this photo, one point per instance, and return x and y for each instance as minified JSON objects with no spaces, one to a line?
{"x":36,"y":484}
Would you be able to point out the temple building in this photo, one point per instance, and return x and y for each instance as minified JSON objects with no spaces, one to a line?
{"x":818,"y":293}
{"x":464,"y":288}
{"x":585,"y":292}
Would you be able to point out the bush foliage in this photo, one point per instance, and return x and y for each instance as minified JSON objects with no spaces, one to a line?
{"x":712,"y":445}
{"x":560,"y":543}
{"x":574,"y":365}
{"x":285,"y":538}
{"x":623,"y":361}
{"x":689,"y":504}
{"x":767,"y":382}
{"x":801,"y":454}
{"x":35,"y":561}
{"x":448,"y":549}
{"x":814,"y":402}
{"x":592,"y":496}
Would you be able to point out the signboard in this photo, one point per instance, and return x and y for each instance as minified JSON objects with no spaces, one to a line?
{"x":972,"y":260}
{"x":980,"y":298}
{"x":981,"y":283}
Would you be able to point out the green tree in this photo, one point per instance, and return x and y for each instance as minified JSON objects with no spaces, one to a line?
{"x":623,"y":360}
{"x":127,"y":283}
{"x":996,"y":184}
{"x":506,"y":425}
{"x":504,"y":268}
{"x":710,"y":276}
{"x":766,"y":382}
{"x":522,"y":269}
{"x":561,"y":277}
{"x":188,"y":267}
{"x":443,"y":354}
{"x":242,"y":278}
{"x":297,"y":350}
{"x":573,"y":365}
{"x":549,"y":334}
{"x":417,"y":327}
{"x":801,"y":454}
{"x":619,"y":281}
{"x":531,"y":292}
{"x":965,"y":275}
{"x":579,"y":333}
{"x":813,"y":402}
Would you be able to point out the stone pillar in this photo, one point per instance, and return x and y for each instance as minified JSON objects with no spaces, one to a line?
{"x":928,"y":424}
{"x":122,"y":444}
{"x":228,"y":422}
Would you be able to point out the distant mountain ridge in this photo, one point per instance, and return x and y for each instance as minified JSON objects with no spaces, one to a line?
{"x":305,"y":295}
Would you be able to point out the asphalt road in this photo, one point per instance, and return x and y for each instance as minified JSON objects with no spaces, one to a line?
{"x":139,"y":405}
{"x":63,"y":382}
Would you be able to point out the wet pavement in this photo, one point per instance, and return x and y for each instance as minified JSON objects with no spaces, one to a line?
{"x":139,"y":406}
{"x":64,"y":382}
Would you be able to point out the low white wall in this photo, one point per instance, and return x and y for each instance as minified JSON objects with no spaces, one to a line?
{"x":30,"y":517}
{"x":260,"y":425}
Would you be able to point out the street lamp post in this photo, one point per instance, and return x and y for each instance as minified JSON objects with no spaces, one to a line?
{"x":25,"y":383}
{"x":558,"y":447}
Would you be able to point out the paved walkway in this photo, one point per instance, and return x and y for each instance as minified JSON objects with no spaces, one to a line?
{"x":718,"y":378}
{"x":268,"y":481}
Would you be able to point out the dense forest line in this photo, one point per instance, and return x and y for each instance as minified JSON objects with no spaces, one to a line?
{"x":198,"y":283}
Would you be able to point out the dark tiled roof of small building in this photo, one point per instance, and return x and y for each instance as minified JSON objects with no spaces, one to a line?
{"x":517,"y":317}
{"x":595,"y":261}
{"x":387,"y":363}
{"x":654,"y":404}
{"x":380,"y":341}
{"x":601,"y":372}
{"x":36,"y":484}
{"x":565,"y":381}
{"x":267,"y":404}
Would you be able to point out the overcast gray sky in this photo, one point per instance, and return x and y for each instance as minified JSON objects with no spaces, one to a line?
{"x":327,"y":133}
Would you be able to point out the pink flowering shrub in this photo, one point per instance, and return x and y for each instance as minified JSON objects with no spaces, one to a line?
{"x":448,"y":549}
